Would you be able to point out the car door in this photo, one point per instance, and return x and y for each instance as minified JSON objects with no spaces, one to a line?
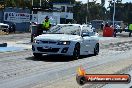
{"x":93,"y":41}
{"x":86,"y":44}
{"x":89,"y":40}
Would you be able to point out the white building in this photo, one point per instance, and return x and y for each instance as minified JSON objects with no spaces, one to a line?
{"x":66,"y":14}
{"x":62,"y":13}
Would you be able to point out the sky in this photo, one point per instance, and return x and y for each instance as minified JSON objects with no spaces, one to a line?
{"x":106,"y":1}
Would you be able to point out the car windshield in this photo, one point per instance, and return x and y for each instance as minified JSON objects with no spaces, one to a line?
{"x":65,"y":29}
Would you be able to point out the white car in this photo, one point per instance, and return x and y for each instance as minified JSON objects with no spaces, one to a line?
{"x":67,"y":39}
{"x":4,"y":27}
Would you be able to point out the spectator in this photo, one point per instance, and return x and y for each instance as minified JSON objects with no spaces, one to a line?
{"x":14,"y":27}
{"x":102,"y":26}
{"x":130,"y":29}
{"x":46,"y":24}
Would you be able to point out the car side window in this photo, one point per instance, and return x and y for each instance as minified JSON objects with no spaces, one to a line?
{"x":76,"y":30}
{"x":86,"y":31}
{"x":91,"y":33}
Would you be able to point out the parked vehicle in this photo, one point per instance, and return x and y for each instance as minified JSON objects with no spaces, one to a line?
{"x":4,"y":27}
{"x":34,"y":31}
{"x":126,"y":29}
{"x":68,"y":40}
{"x":12,"y":28}
{"x":119,"y":25}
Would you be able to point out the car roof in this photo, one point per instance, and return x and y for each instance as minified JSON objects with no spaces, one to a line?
{"x":84,"y":25}
{"x":70,"y":24}
{"x":4,"y":24}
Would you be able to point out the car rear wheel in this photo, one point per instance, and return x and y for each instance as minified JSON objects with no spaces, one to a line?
{"x":96,"y":49}
{"x":76,"y":52}
{"x":37,"y":55}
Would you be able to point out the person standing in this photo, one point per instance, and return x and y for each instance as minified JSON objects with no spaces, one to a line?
{"x":14,"y":27}
{"x":46,"y":24}
{"x":102,"y":26}
{"x":115,"y":30}
{"x":130,"y":29}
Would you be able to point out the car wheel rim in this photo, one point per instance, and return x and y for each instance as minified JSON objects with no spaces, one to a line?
{"x":96,"y":50}
{"x":76,"y":53}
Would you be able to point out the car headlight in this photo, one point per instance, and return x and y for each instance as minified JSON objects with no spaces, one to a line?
{"x":64,"y":43}
{"x":36,"y":41}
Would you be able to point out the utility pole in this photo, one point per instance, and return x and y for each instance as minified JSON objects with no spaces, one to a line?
{"x":114,"y":14}
{"x":40,"y":3}
{"x":32,"y":11}
{"x":32,"y":5}
{"x":87,"y":12}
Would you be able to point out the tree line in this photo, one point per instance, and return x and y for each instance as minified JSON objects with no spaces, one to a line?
{"x":95,"y":10}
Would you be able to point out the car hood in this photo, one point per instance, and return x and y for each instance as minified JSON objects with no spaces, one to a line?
{"x":57,"y":37}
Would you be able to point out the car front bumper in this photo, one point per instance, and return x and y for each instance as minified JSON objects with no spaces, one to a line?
{"x":52,"y":49}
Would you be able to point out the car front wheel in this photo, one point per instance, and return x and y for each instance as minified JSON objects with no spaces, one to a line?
{"x":76,"y":52}
{"x":37,"y":55}
{"x":96,"y":49}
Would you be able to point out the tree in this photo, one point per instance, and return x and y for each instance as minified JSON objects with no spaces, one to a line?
{"x":95,"y":11}
{"x":102,"y":2}
{"x":63,"y":1}
{"x":10,"y":3}
{"x":77,"y":12}
{"x":123,"y":11}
